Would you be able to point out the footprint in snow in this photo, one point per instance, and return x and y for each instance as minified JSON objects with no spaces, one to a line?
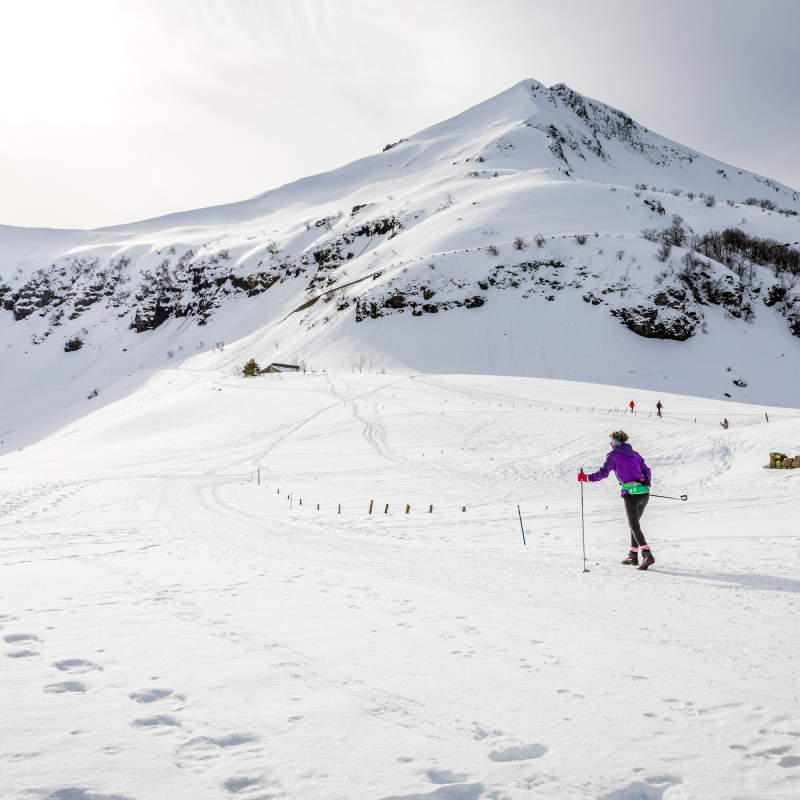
{"x":22,"y":654}
{"x":653,"y":789}
{"x":154,"y":695}
{"x":66,"y":686}
{"x":479,"y":733}
{"x":21,"y":638}
{"x":81,"y":794}
{"x":76,"y":666}
{"x":161,"y":723}
{"x":444,"y":776}
{"x":235,"y":785}
{"x":203,"y":749}
{"x":457,"y":791}
{"x":523,"y":752}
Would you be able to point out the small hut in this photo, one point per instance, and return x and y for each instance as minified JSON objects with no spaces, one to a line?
{"x":281,"y":368}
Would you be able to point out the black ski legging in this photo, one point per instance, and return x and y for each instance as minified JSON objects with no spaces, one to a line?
{"x":634,"y":508}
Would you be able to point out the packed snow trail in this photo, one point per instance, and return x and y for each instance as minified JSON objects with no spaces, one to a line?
{"x":173,"y":629}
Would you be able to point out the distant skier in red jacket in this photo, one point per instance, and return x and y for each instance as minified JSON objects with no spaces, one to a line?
{"x":632,"y":406}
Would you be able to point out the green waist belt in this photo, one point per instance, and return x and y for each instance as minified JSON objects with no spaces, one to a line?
{"x":635,"y":488}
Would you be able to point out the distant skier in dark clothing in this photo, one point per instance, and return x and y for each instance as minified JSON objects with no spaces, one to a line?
{"x":634,"y":477}
{"x":724,"y":424}
{"x":659,"y":407}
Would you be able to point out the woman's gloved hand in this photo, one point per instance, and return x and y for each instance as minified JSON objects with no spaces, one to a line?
{"x":583,"y":477}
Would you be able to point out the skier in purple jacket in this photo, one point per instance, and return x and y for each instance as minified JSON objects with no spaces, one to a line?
{"x":634,"y":477}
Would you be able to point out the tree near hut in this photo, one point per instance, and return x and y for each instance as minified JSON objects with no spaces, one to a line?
{"x":251,"y":369}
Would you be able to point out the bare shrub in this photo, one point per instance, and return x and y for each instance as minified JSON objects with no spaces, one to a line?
{"x":581,"y":238}
{"x":540,"y":240}
{"x":519,"y":243}
{"x":492,"y":250}
{"x":664,"y":251}
{"x":768,"y":205}
{"x":710,"y":200}
{"x":620,"y":254}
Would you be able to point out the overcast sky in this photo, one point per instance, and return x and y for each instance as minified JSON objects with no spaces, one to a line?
{"x":117,"y":110}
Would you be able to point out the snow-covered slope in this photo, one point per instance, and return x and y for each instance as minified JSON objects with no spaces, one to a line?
{"x":171,"y":629}
{"x":458,"y":249}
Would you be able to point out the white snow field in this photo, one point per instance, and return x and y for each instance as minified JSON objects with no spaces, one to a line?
{"x":173,"y":629}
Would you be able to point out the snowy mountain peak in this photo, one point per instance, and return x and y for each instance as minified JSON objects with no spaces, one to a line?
{"x":538,"y":233}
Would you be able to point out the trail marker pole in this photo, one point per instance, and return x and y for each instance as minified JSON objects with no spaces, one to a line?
{"x":583,"y":529}
{"x":370,"y":505}
{"x":259,"y":476}
{"x":520,"y":525}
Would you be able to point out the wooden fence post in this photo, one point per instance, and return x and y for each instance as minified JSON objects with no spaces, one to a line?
{"x":408,"y":508}
{"x":340,"y":508}
{"x":386,"y":510}
{"x":431,"y":511}
{"x":370,"y":506}
{"x":317,"y":506}
{"x":464,"y":508}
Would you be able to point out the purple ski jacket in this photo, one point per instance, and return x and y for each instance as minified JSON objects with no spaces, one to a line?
{"x":626,"y":463}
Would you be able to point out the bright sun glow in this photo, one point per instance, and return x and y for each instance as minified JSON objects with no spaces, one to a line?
{"x":60,"y":60}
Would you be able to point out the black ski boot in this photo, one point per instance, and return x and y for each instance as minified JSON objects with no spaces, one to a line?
{"x":633,"y":558}
{"x":647,"y":559}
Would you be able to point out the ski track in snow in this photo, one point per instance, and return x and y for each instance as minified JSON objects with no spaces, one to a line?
{"x":170,"y":628}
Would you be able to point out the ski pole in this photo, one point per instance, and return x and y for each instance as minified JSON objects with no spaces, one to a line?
{"x":520,"y":525}
{"x":683,"y":497}
{"x":583,"y":529}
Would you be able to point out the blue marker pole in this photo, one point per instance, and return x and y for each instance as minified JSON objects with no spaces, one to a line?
{"x":520,"y":525}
